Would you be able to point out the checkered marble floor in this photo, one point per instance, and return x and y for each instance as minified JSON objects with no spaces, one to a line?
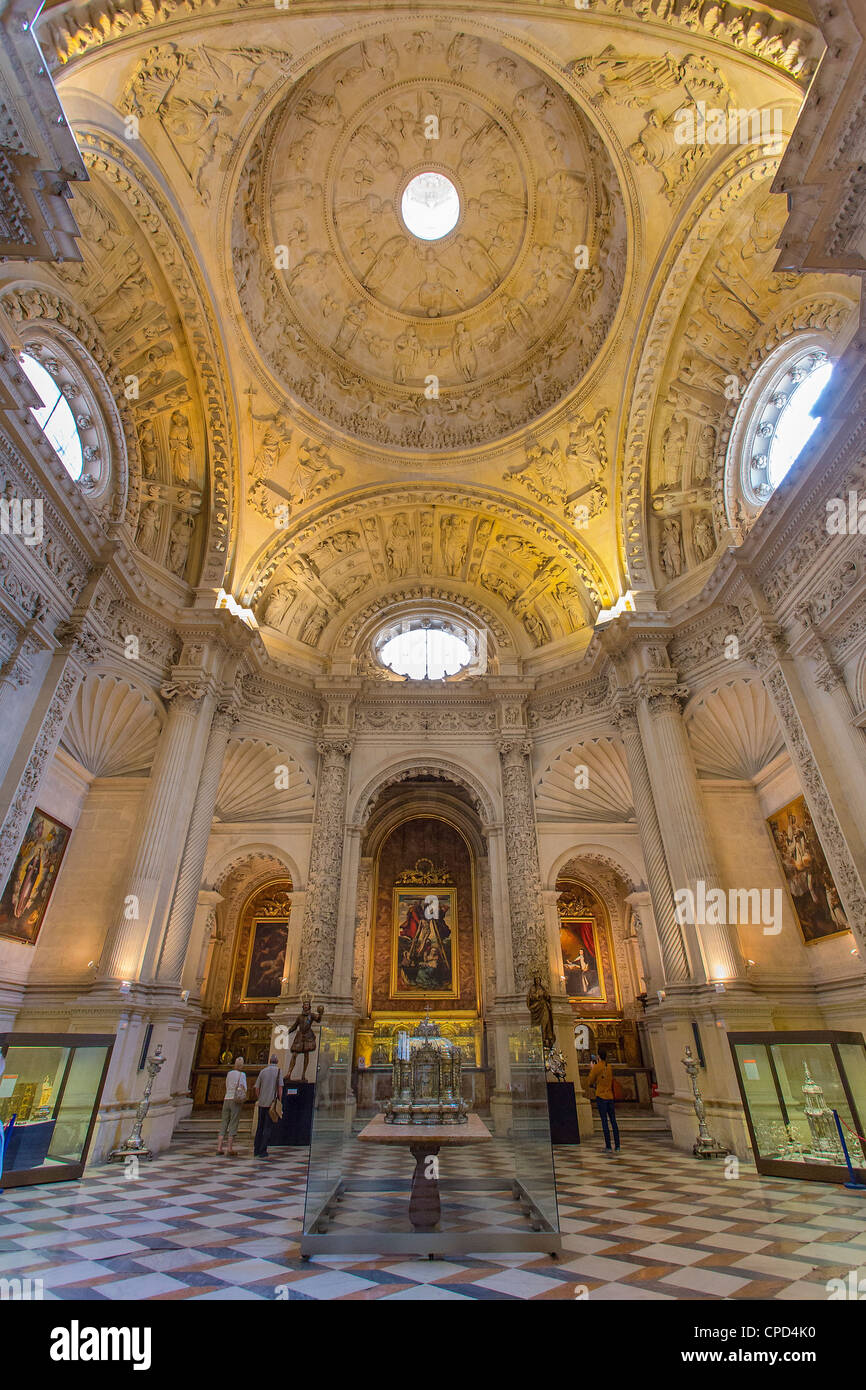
{"x":651,"y":1223}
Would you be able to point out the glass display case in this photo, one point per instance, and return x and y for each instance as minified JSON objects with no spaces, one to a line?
{"x":49,"y":1094}
{"x":791,"y":1084}
{"x":434,"y":1177}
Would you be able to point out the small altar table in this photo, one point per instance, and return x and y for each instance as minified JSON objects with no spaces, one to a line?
{"x":424,"y":1143}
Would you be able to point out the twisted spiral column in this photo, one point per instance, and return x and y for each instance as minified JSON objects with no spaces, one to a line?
{"x":322,"y":906}
{"x":528,"y":936}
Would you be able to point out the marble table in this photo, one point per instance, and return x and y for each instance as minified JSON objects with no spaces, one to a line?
{"x":424,"y":1143}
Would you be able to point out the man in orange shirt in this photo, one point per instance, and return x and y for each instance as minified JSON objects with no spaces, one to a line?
{"x":600,"y":1079}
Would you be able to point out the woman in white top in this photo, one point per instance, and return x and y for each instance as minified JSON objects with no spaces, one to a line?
{"x":236,"y":1094}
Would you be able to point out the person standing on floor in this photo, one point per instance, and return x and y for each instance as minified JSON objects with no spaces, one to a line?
{"x":269,"y":1085}
{"x":601,"y":1079}
{"x":236,"y":1094}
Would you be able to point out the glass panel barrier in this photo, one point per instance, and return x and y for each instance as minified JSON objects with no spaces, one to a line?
{"x":481,"y":1185}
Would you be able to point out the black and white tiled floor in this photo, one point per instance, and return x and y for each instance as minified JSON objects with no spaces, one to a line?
{"x":652,"y":1223}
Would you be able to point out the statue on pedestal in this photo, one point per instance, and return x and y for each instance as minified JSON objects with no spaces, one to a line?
{"x":304,"y":1041}
{"x":541,"y":1011}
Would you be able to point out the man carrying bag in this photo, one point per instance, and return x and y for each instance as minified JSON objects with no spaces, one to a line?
{"x":269,"y":1090}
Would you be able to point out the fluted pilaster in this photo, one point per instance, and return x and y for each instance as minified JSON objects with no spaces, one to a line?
{"x":690,"y":846}
{"x":186,"y":893}
{"x":674,"y":955}
{"x":169,"y":780}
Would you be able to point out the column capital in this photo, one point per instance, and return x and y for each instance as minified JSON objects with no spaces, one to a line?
{"x":334,"y":750}
{"x":81,"y":639}
{"x":513,"y":750}
{"x":184,"y":695}
{"x":624,"y":715}
{"x":226,"y":716}
{"x":664,"y":697}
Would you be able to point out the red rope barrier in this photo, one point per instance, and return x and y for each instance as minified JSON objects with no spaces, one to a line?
{"x":852,"y":1131}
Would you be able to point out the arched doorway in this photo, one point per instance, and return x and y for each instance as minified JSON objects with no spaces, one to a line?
{"x":424,"y":886}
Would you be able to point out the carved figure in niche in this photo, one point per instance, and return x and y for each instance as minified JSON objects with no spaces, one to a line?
{"x":541,"y":1011}
{"x":433,"y":294}
{"x":587,"y":447}
{"x":149,"y":449}
{"x":478,"y":261}
{"x":399,"y":546}
{"x":657,"y":145}
{"x":543,"y":472}
{"x":304,"y":1041}
{"x":277,"y":607}
{"x":671,"y":549}
{"x":178,"y":542}
{"x":272,"y":445}
{"x":465,"y":357}
{"x":497,"y":584}
{"x":571,"y":600}
{"x":351,"y":587}
{"x":702,"y":538}
{"x":673,"y":451}
{"x":353,"y":320}
{"x":726,"y":311}
{"x":705,"y":453}
{"x":767,"y":222}
{"x":536,"y":629}
{"x":314,"y":470}
{"x":407,"y":346}
{"x":180,"y":447}
{"x":314,"y":627}
{"x":148,"y":529}
{"x":385,"y":262}
{"x":454,"y":538}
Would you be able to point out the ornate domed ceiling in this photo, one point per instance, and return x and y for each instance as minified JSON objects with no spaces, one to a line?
{"x":428,"y":344}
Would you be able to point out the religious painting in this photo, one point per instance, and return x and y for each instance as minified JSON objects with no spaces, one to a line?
{"x":30,"y":884}
{"x":266,"y":959}
{"x":424,"y":941}
{"x":578,"y":938}
{"x":816,"y":902}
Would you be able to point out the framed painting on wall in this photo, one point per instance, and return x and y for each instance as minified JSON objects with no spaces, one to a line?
{"x":267,"y":957}
{"x":30,"y":884}
{"x":581,"y":959}
{"x":424,"y":942}
{"x":816,"y":902}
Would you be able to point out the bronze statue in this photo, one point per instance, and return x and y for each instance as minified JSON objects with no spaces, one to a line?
{"x":541,"y":1011}
{"x":304,"y":1041}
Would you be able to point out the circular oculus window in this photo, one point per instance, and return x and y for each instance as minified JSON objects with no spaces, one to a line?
{"x":430,"y":206}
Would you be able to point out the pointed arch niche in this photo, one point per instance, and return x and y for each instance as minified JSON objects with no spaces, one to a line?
{"x":422,"y":921}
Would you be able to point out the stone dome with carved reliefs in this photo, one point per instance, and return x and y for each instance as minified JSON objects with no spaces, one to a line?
{"x":428,"y":344}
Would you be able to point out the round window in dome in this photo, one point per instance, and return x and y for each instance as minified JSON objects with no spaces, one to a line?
{"x":430,"y":206}
{"x":425,"y":653}
{"x":54,"y":416}
{"x":795,"y":423}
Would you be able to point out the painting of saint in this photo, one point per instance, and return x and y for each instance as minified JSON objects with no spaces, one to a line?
{"x":580,"y":963}
{"x":817,"y":905}
{"x":424,"y":936}
{"x":30,"y":884}
{"x":267,"y":960}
